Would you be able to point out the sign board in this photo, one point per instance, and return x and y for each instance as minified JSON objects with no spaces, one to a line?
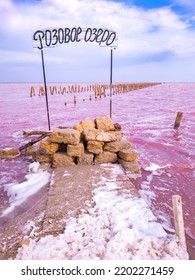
{"x":52,"y":37}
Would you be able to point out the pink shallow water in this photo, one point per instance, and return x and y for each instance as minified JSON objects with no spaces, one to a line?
{"x":147,"y":117}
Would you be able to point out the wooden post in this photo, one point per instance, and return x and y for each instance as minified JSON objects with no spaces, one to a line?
{"x":178,"y":120}
{"x":178,"y":219}
{"x":32,"y":91}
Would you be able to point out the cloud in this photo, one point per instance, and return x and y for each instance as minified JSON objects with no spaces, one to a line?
{"x":5,"y":4}
{"x":12,"y":57}
{"x":186,"y":9}
{"x":147,"y":35}
{"x":185,"y":3}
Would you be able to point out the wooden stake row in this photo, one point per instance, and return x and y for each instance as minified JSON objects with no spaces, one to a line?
{"x":97,"y":89}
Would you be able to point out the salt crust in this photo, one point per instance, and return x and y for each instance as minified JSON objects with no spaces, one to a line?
{"x":18,"y":193}
{"x":119,"y":227}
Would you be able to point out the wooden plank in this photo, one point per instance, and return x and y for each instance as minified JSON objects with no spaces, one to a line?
{"x":36,"y":132}
{"x":32,"y":142}
{"x":178,"y":219}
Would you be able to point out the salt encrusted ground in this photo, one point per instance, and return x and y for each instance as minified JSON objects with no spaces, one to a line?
{"x":89,"y":212}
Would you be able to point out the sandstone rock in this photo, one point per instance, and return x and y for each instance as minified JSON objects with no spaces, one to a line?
{"x":105,"y":157}
{"x":75,"y":150}
{"x":95,"y":147}
{"x":127,"y":154}
{"x":104,"y":123}
{"x":116,"y":146}
{"x":109,"y":136}
{"x":92,"y":134}
{"x":86,"y":158}
{"x":42,"y":158}
{"x":132,"y":167}
{"x":62,"y":159}
{"x":31,"y":150}
{"x":66,"y":136}
{"x":78,"y":127}
{"x":48,"y":147}
{"x":87,"y":123}
{"x":10,"y":153}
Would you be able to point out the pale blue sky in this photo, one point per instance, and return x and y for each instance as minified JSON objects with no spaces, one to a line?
{"x":156,"y":40}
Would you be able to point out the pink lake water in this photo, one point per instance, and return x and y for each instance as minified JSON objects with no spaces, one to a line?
{"x":147,"y":116}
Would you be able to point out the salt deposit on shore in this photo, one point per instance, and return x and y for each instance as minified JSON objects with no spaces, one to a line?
{"x":119,"y":226}
{"x":18,"y":193}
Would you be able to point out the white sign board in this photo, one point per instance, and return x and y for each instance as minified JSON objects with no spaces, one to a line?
{"x":51,"y":37}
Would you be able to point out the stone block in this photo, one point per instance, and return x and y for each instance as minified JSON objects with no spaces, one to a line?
{"x":10,"y":153}
{"x":87,"y":123}
{"x":75,"y":150}
{"x":132,"y":167}
{"x":109,"y":136}
{"x":92,"y":134}
{"x":105,"y":157}
{"x":116,"y":146}
{"x":48,"y":147}
{"x":62,"y":159}
{"x":104,"y":123}
{"x":78,"y":127}
{"x":95,"y":147}
{"x":66,"y":136}
{"x":31,"y":150}
{"x":42,"y":158}
{"x":86,"y":158}
{"x":127,"y":155}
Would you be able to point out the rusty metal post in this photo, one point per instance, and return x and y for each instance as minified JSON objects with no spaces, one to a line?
{"x":45,"y":85}
{"x":111,"y":59}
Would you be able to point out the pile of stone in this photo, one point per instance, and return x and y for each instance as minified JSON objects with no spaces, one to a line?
{"x":89,"y":142}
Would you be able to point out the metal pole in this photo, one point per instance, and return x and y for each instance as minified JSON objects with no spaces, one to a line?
{"x":111,"y":58}
{"x":45,"y":85}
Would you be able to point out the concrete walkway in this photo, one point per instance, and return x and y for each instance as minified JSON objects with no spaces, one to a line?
{"x":69,"y":194}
